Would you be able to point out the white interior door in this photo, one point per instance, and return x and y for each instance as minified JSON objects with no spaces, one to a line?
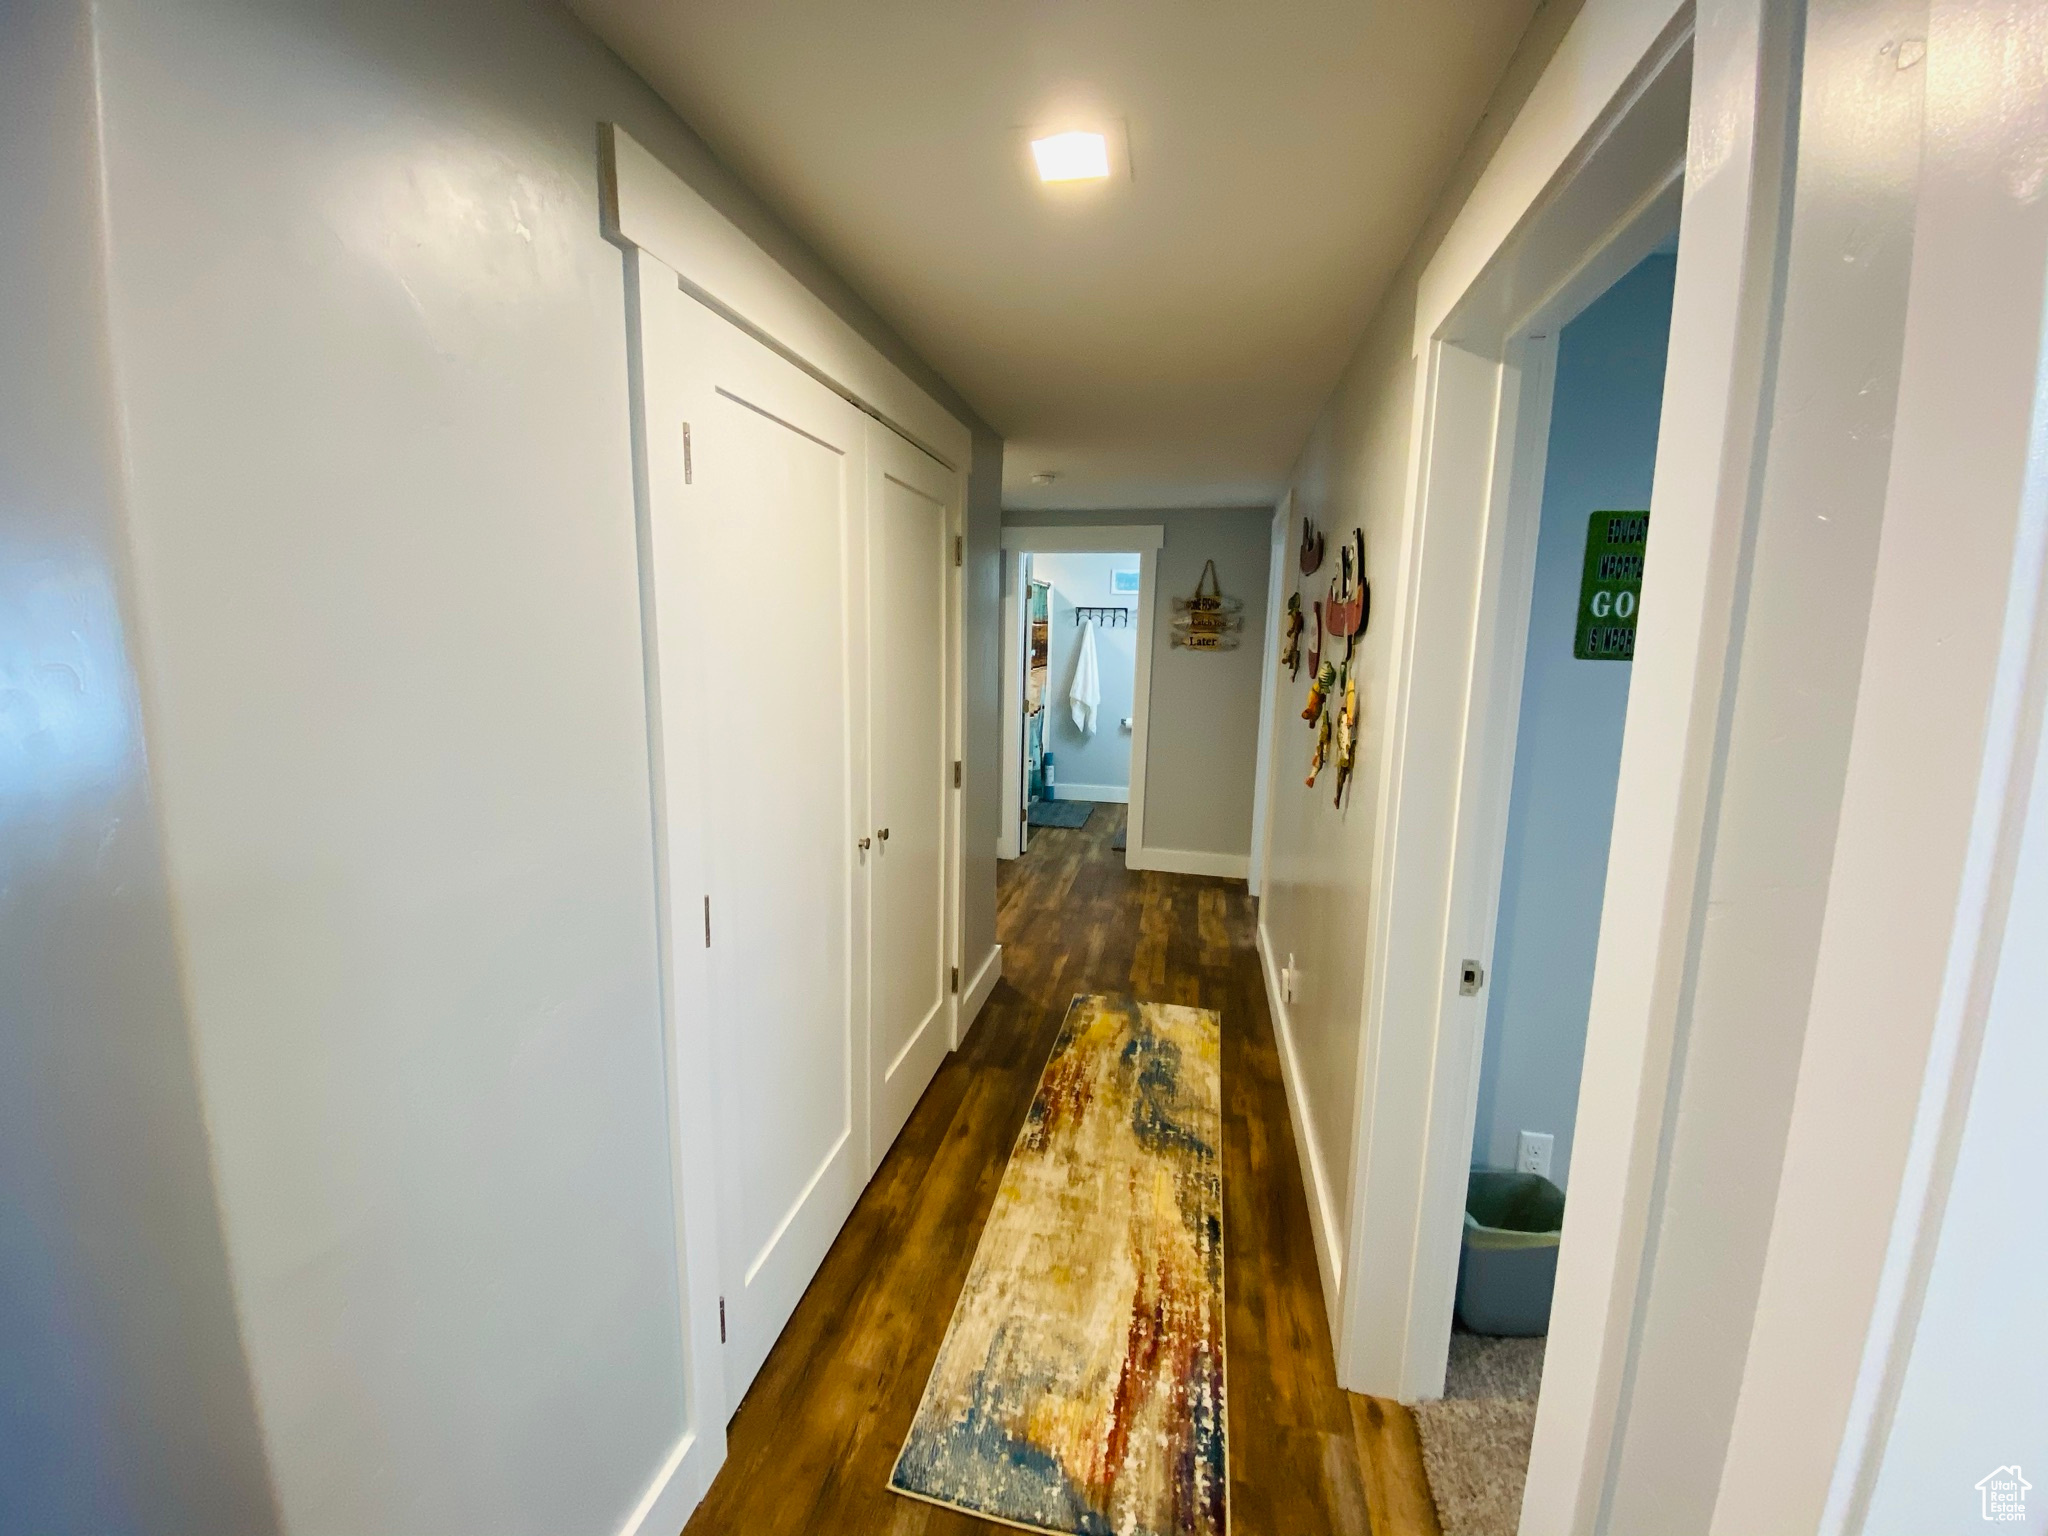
{"x":910,"y":563}
{"x":756,"y":526}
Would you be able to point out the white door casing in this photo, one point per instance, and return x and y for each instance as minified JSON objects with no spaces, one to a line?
{"x":751,"y":560}
{"x":754,"y":628}
{"x":911,"y":518}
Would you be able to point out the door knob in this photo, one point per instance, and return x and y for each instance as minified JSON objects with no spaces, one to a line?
{"x":865,"y":843}
{"x":883,"y":834}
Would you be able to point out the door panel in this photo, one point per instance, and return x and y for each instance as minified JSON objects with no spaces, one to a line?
{"x":750,"y":596}
{"x":910,"y":543}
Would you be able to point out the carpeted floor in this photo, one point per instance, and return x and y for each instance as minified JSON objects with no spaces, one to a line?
{"x":1475,"y":1439}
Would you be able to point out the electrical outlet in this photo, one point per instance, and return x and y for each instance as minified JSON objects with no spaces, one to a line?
{"x":1532,"y":1152}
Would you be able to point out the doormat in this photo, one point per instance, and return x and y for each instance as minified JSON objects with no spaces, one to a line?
{"x":1061,"y":813}
{"x":1080,"y":1384}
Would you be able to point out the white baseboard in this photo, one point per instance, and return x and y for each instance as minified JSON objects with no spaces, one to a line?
{"x":677,"y":1489}
{"x":1322,"y":1210}
{"x":1120,"y":794}
{"x":975,"y":997}
{"x":1182,"y":861}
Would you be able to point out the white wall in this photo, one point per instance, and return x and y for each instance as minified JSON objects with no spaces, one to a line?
{"x":1354,"y":472}
{"x":369,"y":349}
{"x":124,"y":1393}
{"x":1972,"y":1399}
{"x":1790,"y":708}
{"x":1102,"y":758}
{"x":1201,"y":754}
{"x":1602,"y":448}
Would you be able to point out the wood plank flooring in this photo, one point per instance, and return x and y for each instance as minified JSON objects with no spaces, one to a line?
{"x":1397,"y":1492}
{"x":811,"y":1447}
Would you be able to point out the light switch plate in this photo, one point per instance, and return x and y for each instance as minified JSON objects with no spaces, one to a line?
{"x":1532,"y":1152}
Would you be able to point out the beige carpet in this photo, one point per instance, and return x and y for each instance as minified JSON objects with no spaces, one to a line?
{"x":1475,"y":1439}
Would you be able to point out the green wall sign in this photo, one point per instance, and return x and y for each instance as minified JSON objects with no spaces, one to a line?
{"x":1611,"y":589}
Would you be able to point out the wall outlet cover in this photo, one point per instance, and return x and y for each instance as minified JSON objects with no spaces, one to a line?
{"x":1532,"y":1152}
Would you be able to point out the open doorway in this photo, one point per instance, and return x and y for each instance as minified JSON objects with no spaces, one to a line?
{"x":1605,"y":374}
{"x":1076,"y":678}
{"x":1078,"y":648}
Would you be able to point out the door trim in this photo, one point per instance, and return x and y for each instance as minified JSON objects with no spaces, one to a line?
{"x":671,"y":236}
{"x":1145,"y":540}
{"x":646,"y":206}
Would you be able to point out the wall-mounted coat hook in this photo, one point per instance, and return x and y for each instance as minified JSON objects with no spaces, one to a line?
{"x":1108,"y":618}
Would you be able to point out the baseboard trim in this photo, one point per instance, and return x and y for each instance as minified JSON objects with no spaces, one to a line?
{"x":976,"y":997}
{"x":1183,"y":861}
{"x":1322,"y":1210}
{"x":677,"y":1489}
{"x":1118,"y":794}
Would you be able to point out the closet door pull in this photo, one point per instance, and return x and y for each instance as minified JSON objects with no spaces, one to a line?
{"x":883,"y":834}
{"x":865,"y":843}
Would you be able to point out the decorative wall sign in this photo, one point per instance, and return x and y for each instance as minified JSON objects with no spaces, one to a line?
{"x":1321,"y":680}
{"x":1290,"y":636}
{"x":1322,"y":751}
{"x":1208,"y":621}
{"x":1350,"y":597}
{"x":1611,"y":586}
{"x":1311,"y":547}
{"x":1347,"y":732}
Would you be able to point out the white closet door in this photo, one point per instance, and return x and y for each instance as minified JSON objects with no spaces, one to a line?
{"x":756,"y":744}
{"x":910,"y":561}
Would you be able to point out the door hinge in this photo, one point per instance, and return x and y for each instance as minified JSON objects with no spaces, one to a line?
{"x":956,"y":978}
{"x":1471,"y":977}
{"x":689,"y":472}
{"x":721,"y":1319}
{"x":956,"y":773}
{"x":959,"y":550}
{"x":707,"y":922}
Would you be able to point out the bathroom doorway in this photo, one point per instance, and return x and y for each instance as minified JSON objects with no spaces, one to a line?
{"x":1077,"y":670}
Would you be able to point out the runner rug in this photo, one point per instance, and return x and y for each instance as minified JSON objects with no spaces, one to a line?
{"x":1080,"y":1384}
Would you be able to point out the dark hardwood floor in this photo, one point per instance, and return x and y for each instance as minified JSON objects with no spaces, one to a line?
{"x":812,"y":1445}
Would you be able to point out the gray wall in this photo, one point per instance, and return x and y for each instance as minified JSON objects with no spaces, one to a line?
{"x":331,"y":1108}
{"x":1204,"y":721}
{"x":1603,"y":447}
{"x":1102,"y":757}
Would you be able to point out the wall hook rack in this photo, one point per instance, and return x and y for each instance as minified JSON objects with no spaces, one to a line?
{"x":1108,"y":618}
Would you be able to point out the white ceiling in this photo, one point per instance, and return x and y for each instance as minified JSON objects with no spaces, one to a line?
{"x":1166,"y":340}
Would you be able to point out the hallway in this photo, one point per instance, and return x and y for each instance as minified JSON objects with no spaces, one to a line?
{"x":812,"y":1443}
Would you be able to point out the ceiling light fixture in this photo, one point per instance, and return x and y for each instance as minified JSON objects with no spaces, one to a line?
{"x":1076,"y":156}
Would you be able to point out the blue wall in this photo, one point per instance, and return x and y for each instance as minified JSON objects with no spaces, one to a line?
{"x":1603,"y":446}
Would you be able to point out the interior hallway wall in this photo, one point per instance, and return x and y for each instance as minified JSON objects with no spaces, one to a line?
{"x":1201,"y":753}
{"x":124,"y":1394}
{"x":1100,"y":759}
{"x":1354,"y":472}
{"x":1603,"y":447}
{"x":367,"y":373}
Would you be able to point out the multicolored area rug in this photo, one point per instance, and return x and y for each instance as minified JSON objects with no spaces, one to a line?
{"x":1080,"y":1384}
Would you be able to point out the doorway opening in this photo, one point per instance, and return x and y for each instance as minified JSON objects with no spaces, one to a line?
{"x":1081,"y":663}
{"x":1602,"y":372}
{"x":1077,"y":678}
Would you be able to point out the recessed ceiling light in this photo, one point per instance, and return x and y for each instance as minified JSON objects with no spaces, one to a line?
{"x":1076,"y":156}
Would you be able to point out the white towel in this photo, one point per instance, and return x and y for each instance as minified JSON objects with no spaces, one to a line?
{"x":1086,"y":692}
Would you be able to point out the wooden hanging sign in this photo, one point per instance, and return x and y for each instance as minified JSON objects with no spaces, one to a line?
{"x":1208,"y":621}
